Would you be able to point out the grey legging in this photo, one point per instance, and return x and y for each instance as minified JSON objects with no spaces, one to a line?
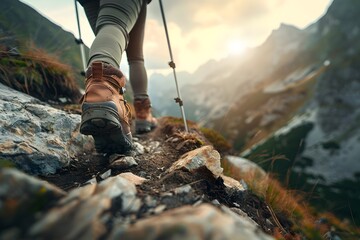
{"x":119,"y":25}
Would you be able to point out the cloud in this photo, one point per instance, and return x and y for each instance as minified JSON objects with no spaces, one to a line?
{"x":200,"y":29}
{"x":155,"y":45}
{"x":204,"y":13}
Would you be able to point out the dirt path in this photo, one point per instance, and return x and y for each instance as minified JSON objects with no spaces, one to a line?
{"x":161,"y":149}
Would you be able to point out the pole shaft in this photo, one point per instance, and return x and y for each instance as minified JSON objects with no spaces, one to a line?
{"x":172,"y":65}
{"x":77,"y":18}
{"x":166,"y":30}
{"x":82,"y":51}
{"x":82,"y":47}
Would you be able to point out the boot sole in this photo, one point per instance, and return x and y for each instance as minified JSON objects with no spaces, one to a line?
{"x":143,"y":126}
{"x":102,"y":122}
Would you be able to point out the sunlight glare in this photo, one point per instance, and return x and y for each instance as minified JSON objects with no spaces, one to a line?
{"x":236,"y":47}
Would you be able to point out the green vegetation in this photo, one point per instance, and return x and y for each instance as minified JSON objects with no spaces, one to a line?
{"x":24,"y":28}
{"x":38,"y":74}
{"x":278,"y":153}
{"x":294,"y":206}
{"x":218,"y":141}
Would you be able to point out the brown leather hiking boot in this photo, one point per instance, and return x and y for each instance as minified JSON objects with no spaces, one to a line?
{"x":105,"y":113}
{"x":144,"y":122}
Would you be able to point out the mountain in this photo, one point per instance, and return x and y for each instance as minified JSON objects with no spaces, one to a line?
{"x":23,"y":27}
{"x":317,"y":149}
{"x":320,"y":142}
{"x":224,"y":82}
{"x":55,"y":186}
{"x":162,"y":89}
{"x":292,"y":105}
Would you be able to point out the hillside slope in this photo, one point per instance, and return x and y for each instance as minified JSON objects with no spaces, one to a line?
{"x":307,"y":81}
{"x":23,"y":27}
{"x":321,"y":140}
{"x":54,"y":186}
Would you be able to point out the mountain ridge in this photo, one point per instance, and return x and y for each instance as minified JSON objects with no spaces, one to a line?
{"x":309,"y":77}
{"x":28,"y":27}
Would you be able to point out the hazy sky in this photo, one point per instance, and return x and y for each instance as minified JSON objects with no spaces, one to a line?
{"x":199,"y":29}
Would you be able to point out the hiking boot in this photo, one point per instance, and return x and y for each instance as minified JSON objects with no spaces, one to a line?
{"x":105,"y":113}
{"x":144,"y":122}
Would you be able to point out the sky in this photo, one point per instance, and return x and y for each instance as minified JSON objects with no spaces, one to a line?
{"x":199,"y":30}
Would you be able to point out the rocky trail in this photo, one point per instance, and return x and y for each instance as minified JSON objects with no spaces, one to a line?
{"x":160,"y":190}
{"x":54,"y":186}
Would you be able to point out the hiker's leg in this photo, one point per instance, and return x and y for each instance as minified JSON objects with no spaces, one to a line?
{"x":138,"y":76}
{"x":115,"y":20}
{"x":91,"y":9}
{"x":105,"y":113}
{"x":145,"y":122}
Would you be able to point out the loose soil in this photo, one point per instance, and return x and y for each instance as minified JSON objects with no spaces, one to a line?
{"x":163,"y":147}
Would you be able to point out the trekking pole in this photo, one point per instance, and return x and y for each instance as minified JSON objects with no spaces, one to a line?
{"x":172,"y":65}
{"x":79,"y":40}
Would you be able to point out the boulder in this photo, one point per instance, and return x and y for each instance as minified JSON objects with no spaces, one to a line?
{"x":201,"y":222}
{"x":232,"y":183}
{"x":244,"y":166}
{"x":23,"y":196}
{"x":36,"y":137}
{"x":83,"y":214}
{"x":133,"y":178}
{"x":199,"y":158}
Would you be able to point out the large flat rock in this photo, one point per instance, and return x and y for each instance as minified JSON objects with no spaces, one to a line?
{"x":36,"y":137}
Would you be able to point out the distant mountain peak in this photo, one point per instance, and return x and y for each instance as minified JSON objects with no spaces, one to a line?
{"x":284,"y":30}
{"x":284,"y":34}
{"x":287,"y":27}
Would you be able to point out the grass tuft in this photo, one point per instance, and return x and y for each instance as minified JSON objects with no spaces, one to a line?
{"x":38,"y":74}
{"x":217,"y":140}
{"x":292,"y":205}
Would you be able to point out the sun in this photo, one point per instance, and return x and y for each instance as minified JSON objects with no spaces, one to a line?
{"x":236,"y":47}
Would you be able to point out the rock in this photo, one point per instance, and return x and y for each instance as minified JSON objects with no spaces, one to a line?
{"x":22,"y":196}
{"x":232,"y":183}
{"x":150,"y":201}
{"x":139,"y":149}
{"x":152,"y":146}
{"x":159,"y":209}
{"x":166,"y":194}
{"x":202,"y":157}
{"x":198,"y":203}
{"x":91,"y":181}
{"x":241,"y":166}
{"x":244,"y":184}
{"x":188,"y":222}
{"x":122,"y":162}
{"x":184,"y":189}
{"x":242,"y":214}
{"x":39,"y":139}
{"x":136,"y":180}
{"x":106,"y":174}
{"x":215,"y":202}
{"x":331,"y":235}
{"x":84,"y":212}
